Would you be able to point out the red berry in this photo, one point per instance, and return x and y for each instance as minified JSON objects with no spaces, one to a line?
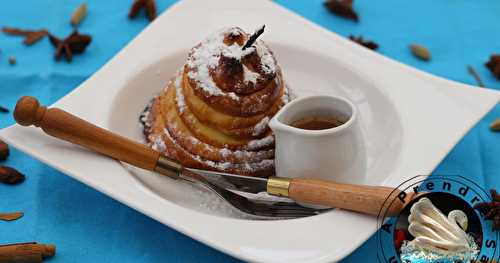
{"x":399,"y":237}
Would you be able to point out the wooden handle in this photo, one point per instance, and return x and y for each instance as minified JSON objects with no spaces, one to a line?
{"x":359,"y":198}
{"x":63,"y":125}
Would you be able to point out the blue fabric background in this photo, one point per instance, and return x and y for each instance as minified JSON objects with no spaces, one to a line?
{"x":87,"y":226}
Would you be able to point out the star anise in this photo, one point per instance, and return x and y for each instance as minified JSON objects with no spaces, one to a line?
{"x":366,"y":43}
{"x":75,"y":43}
{"x":342,"y":8}
{"x":30,"y":37}
{"x":491,"y":210}
{"x":148,"y":5}
{"x":494,"y":65}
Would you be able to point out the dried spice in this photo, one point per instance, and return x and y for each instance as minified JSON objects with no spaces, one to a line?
{"x":30,"y":37}
{"x":366,"y":43}
{"x":4,"y":110}
{"x":251,"y":40}
{"x":11,"y":216}
{"x":79,"y":14}
{"x":4,"y":151}
{"x":26,"y":252}
{"x":62,"y":48}
{"x":12,"y":60}
{"x":495,"y":125}
{"x":75,"y":43}
{"x":420,"y":52}
{"x":9,"y":175}
{"x":474,"y":74}
{"x":342,"y":8}
{"x":491,"y":210}
{"x":148,"y":5}
{"x":494,"y":65}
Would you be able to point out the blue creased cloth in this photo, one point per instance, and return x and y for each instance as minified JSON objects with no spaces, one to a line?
{"x":87,"y":226}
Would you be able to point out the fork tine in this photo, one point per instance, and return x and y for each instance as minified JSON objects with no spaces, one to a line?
{"x":289,"y":205}
{"x":282,"y":214}
{"x":264,"y":208}
{"x":285,"y":213}
{"x":293,"y":207}
{"x":274,"y":212}
{"x":280,"y":204}
{"x":298,"y":209}
{"x":268,"y":209}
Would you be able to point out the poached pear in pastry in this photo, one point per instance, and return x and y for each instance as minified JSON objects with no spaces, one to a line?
{"x":214,"y":112}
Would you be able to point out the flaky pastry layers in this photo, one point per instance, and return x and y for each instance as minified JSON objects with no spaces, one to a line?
{"x":214,"y":113}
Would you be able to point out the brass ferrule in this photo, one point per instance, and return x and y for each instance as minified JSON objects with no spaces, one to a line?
{"x":278,"y":186}
{"x":168,"y":167}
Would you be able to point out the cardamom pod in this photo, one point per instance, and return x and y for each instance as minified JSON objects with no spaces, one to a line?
{"x":79,"y":14}
{"x":4,"y":150}
{"x":495,"y":126}
{"x":420,"y":52}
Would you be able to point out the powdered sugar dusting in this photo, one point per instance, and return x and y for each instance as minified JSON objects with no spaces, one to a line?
{"x":252,"y":145}
{"x":223,"y":166}
{"x":179,"y":96}
{"x":266,"y":57}
{"x":206,"y":56}
{"x":287,"y":95}
{"x":158,"y":144}
{"x":249,"y":76}
{"x":225,"y":152}
{"x":144,"y":118}
{"x":261,"y":143}
{"x":261,"y":126}
{"x":233,"y":95}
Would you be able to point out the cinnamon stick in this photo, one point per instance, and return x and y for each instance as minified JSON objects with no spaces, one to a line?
{"x":11,"y":216}
{"x":31,"y":252}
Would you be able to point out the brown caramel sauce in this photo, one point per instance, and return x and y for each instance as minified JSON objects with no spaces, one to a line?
{"x":316,"y":123}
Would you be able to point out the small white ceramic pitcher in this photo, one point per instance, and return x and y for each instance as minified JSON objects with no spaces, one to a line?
{"x":336,"y":154}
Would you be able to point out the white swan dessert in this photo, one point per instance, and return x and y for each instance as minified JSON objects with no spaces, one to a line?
{"x":214,"y":113}
{"x":437,"y":236}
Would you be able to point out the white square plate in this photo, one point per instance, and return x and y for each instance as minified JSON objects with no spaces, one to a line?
{"x":410,"y":121}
